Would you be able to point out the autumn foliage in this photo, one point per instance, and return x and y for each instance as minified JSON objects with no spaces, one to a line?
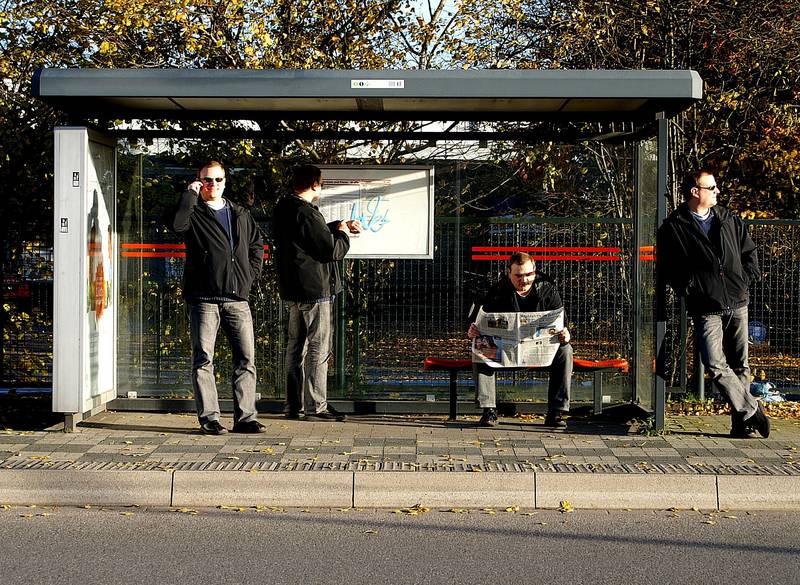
{"x":745,"y":50}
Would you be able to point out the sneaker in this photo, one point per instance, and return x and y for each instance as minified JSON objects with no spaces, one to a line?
{"x":330,"y":414}
{"x":488,"y":418}
{"x":213,"y":427}
{"x":759,"y":422}
{"x":554,"y":419}
{"x":292,"y":414}
{"x":250,"y":426}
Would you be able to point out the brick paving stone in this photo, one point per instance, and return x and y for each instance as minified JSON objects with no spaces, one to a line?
{"x":699,"y":445}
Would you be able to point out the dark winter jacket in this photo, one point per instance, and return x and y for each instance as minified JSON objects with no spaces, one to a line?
{"x":503,"y":298}
{"x":212,"y":270}
{"x":306,"y":251}
{"x":712,"y":272}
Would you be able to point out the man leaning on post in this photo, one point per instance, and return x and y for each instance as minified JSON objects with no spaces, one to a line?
{"x":306,"y":250}
{"x":524,"y":290}
{"x":706,"y":255}
{"x":224,"y":253}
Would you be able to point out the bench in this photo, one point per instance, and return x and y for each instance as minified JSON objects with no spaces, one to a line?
{"x":453,"y":367}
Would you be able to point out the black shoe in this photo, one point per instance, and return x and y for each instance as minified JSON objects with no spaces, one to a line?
{"x":213,"y":427}
{"x":739,"y":429}
{"x":488,"y":418}
{"x":250,"y":426}
{"x":292,"y":414}
{"x":553,"y":419}
{"x":330,"y":414}
{"x":759,"y":422}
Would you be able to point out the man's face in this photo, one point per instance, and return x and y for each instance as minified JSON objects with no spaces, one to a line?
{"x":212,"y":188}
{"x":706,"y":191}
{"x":521,"y":276}
{"x":316,"y":189}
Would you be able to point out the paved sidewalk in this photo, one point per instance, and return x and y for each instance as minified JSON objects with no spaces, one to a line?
{"x":387,"y":461}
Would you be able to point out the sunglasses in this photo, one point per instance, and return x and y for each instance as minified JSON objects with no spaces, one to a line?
{"x":210,"y":180}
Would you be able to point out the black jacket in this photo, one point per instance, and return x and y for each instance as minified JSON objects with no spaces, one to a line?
{"x":306,"y":251}
{"x":211,"y":269}
{"x":712,"y":272}
{"x":503,"y":298}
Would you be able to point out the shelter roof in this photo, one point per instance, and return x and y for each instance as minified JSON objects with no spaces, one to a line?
{"x":222,"y":94}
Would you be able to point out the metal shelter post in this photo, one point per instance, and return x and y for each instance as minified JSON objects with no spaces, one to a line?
{"x":661,"y":214}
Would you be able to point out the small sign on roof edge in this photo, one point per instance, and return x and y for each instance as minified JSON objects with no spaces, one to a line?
{"x":377,"y":84}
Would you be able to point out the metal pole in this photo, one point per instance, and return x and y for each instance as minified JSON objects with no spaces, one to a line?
{"x":635,"y":275}
{"x":700,"y":377}
{"x":355,"y":382}
{"x":340,"y":333}
{"x":660,"y":323}
{"x":684,"y":328}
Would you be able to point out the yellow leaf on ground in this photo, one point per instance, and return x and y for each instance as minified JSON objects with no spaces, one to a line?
{"x":565,"y":507}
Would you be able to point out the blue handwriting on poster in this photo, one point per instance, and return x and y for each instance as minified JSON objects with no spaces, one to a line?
{"x":375,"y":216}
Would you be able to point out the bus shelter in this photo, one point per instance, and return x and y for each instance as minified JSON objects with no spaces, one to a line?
{"x":534,"y":106}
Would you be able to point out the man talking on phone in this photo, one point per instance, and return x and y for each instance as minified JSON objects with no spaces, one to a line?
{"x":224,"y":253}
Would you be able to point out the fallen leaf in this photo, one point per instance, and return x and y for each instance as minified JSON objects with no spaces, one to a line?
{"x":370,"y":531}
{"x":415,"y":510}
{"x":565,"y":507}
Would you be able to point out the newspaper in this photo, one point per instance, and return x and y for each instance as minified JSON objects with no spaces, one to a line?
{"x":513,"y":340}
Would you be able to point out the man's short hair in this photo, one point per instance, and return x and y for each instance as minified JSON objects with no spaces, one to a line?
{"x":520,"y":258}
{"x":210,"y":164}
{"x":304,"y":177}
{"x":690,"y":181}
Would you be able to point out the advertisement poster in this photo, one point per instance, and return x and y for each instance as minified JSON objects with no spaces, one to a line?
{"x":99,"y":317}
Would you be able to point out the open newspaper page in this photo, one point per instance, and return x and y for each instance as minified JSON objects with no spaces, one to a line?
{"x":513,"y":340}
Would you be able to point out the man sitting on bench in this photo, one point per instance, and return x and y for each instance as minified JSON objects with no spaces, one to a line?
{"x":524,"y":291}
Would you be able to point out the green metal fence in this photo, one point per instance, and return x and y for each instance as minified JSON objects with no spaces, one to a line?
{"x":398,"y":312}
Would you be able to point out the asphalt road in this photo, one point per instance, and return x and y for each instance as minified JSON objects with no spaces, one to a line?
{"x":134,"y":545}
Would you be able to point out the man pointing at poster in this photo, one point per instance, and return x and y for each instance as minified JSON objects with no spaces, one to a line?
{"x":307,"y":249}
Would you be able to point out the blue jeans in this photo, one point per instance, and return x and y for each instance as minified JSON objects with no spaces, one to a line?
{"x":722,"y":340}
{"x":237,"y":323}
{"x":558,"y":388}
{"x":307,"y":351}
